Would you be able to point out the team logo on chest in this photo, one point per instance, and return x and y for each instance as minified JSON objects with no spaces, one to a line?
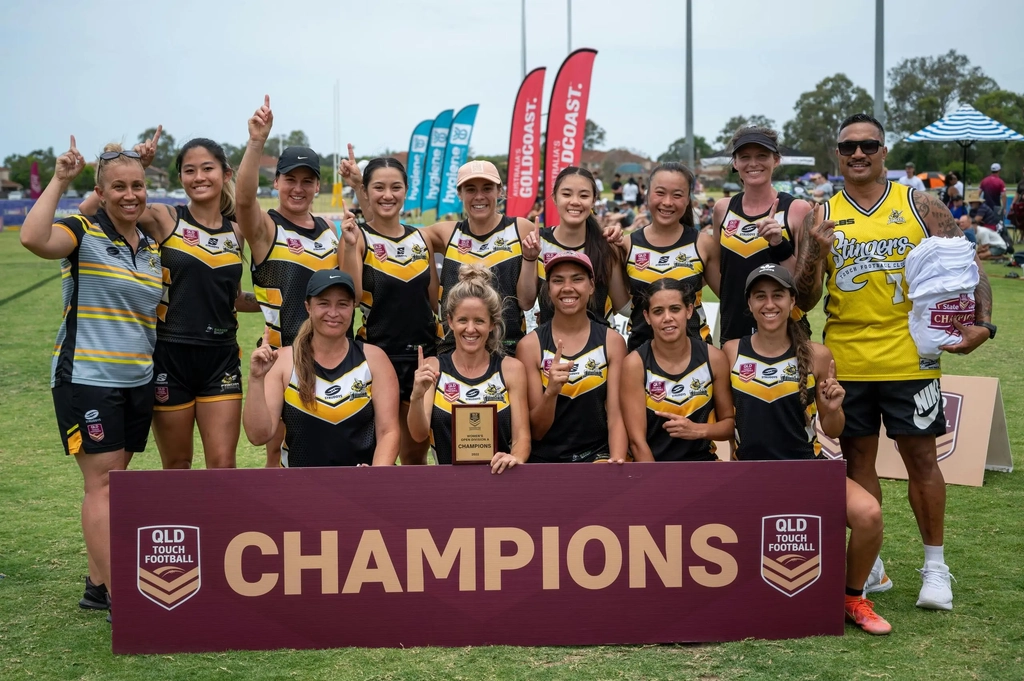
{"x":642,"y":260}
{"x":190,"y":236}
{"x":380,"y":251}
{"x":731,"y":226}
{"x":896,"y":218}
{"x":747,"y":371}
{"x":656,"y":389}
{"x":465,"y":245}
{"x":452,"y":392}
{"x":295,"y":246}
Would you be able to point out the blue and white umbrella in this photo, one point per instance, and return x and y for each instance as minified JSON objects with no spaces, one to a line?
{"x":965,"y":126}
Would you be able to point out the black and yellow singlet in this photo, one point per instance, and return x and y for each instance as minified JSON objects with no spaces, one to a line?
{"x":454,"y":388}
{"x":646,"y":264}
{"x":500,"y":252}
{"x":339,"y":430}
{"x":770,"y":421}
{"x":280,"y":280}
{"x":742,"y":252}
{"x":396,"y":292}
{"x":579,"y":431}
{"x":690,"y":394}
{"x":201,"y":269}
{"x":600,"y":305}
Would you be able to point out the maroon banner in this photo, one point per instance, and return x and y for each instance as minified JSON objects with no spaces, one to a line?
{"x":558,"y":554}
{"x":567,"y":121}
{"x":524,"y":146}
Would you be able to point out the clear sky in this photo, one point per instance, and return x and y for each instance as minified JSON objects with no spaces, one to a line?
{"x":107,"y":69}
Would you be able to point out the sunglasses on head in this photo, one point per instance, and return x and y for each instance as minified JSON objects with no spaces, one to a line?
{"x":849,"y":147}
{"x":111,"y":155}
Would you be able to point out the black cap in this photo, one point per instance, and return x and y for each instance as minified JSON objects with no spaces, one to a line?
{"x":758,"y":138}
{"x":324,"y":279}
{"x":298,"y":157}
{"x":772,"y":271}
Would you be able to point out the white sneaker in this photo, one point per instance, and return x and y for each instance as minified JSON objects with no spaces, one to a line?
{"x":936,"y":593}
{"x":878,"y":581}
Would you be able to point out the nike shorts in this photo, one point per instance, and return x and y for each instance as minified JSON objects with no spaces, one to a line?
{"x":184,"y":374}
{"x":905,"y":407}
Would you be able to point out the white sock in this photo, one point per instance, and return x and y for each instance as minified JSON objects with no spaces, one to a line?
{"x":933,"y":553}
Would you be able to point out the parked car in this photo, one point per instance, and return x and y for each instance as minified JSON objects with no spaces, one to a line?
{"x":178,"y":194}
{"x":159,"y":192}
{"x":15,"y":196}
{"x":264,"y":191}
{"x":70,"y":194}
{"x":732,"y":187}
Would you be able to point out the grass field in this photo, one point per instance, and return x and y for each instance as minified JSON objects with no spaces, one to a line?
{"x":44,"y":635}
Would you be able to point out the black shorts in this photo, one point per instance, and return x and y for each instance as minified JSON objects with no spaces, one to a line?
{"x":95,"y":419}
{"x":184,"y":374}
{"x":405,"y":368}
{"x":911,"y":407}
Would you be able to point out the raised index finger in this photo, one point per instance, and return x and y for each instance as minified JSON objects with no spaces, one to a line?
{"x":832,"y":369}
{"x":266,"y":101}
{"x":419,"y":356}
{"x":351,"y":152}
{"x":775,"y":207}
{"x":156,"y":135}
{"x":73,"y":143}
{"x":558,"y":354}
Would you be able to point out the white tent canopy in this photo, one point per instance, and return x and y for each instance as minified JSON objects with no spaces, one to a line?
{"x":786,"y":161}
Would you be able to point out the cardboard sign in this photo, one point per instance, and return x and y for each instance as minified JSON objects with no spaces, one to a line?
{"x":976,"y":439}
{"x":554,"y":554}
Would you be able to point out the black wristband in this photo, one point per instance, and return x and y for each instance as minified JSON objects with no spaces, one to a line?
{"x":781,"y":252}
{"x":528,"y":260}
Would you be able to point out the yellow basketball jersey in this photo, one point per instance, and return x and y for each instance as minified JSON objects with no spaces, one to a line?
{"x":866,"y":303}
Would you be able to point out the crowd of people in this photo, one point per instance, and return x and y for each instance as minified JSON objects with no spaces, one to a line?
{"x":151,"y":292}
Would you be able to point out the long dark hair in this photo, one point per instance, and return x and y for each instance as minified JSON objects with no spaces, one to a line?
{"x":674,"y":167}
{"x":804,"y":360}
{"x":227,"y":192}
{"x":595,"y":245}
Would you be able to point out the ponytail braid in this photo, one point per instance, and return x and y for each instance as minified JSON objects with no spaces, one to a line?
{"x":804,"y":361}
{"x":302,"y":360}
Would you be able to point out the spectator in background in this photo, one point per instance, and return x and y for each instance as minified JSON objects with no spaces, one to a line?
{"x":821,"y":183}
{"x":537,"y":211}
{"x":990,"y":245}
{"x":818,"y":196}
{"x":641,"y":197}
{"x":600,"y":187}
{"x":617,"y":188}
{"x":954,"y":187}
{"x":993,"y":191}
{"x":910,"y":179}
{"x":630,"y":192}
{"x":956,"y":206}
{"x":981,"y":213}
{"x":967,"y":227}
{"x":707,"y":212}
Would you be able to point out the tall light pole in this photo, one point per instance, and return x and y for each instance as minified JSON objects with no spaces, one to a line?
{"x":690,"y":152}
{"x":568,"y":23}
{"x":880,"y":60}
{"x":523,"y":45}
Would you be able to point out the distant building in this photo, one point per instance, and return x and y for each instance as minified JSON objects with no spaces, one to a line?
{"x":603,"y":163}
{"x":157,"y":178}
{"x":6,"y":185}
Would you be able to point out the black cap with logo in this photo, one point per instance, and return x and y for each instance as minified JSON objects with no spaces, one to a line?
{"x":772,"y":271}
{"x":324,"y":279}
{"x":758,"y":138}
{"x":298,"y":157}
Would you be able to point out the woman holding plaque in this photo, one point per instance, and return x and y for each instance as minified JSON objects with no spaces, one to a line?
{"x":672,"y":386}
{"x":782,"y":384}
{"x":338,"y":397}
{"x":476,"y":372}
{"x":574,"y":404}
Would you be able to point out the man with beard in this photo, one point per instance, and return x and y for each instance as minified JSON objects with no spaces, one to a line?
{"x":859,"y":241}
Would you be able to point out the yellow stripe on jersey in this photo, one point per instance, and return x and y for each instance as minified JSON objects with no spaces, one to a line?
{"x":336,"y":400}
{"x":487,"y":260}
{"x":307,"y":259}
{"x":683,"y":397}
{"x":867,"y":306}
{"x":768,"y":382}
{"x":739,"y":234}
{"x":589,"y":371}
{"x":406,"y":271}
{"x":212,"y":258}
{"x":648,"y":265}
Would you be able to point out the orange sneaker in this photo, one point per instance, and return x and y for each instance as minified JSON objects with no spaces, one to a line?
{"x":861,"y":611}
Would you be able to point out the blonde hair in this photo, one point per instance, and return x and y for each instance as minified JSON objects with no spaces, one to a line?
{"x":101,"y":164}
{"x":476,"y":281}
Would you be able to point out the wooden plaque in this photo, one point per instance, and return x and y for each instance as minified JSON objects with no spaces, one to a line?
{"x":474,"y":433}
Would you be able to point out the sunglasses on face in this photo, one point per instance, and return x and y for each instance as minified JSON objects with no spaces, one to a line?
{"x":111,"y":155}
{"x":849,"y":147}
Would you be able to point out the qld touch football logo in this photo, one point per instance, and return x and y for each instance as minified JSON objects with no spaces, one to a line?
{"x":790,"y":552}
{"x":169,"y":572}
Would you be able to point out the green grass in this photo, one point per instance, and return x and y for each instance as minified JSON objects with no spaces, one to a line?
{"x":44,"y":635}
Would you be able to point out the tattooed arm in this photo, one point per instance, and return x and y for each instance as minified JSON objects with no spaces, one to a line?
{"x":815,"y":241}
{"x":939,"y":222}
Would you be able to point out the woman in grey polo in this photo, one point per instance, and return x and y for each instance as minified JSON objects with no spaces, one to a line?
{"x":103,"y":357}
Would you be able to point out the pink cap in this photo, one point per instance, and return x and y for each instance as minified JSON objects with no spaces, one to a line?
{"x":577,"y":257}
{"x":478,"y":169}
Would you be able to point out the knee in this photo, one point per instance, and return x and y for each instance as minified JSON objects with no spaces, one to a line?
{"x":865,"y":516}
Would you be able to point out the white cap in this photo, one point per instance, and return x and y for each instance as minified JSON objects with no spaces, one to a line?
{"x":995,"y":168}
